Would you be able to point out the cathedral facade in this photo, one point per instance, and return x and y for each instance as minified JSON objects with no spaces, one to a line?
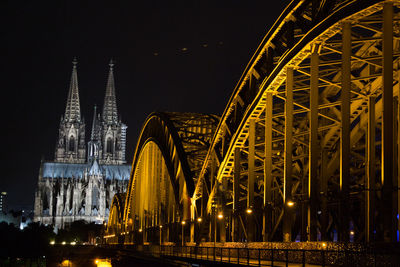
{"x":81,"y":181}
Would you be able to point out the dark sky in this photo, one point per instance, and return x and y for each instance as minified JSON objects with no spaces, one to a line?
{"x":40,"y":38}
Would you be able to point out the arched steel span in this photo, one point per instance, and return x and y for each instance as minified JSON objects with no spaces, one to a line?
{"x":116,"y":218}
{"x":295,"y":154}
{"x":179,"y":143}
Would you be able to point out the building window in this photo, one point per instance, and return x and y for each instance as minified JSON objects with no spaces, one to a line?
{"x":109,"y":145}
{"x":71,"y":143}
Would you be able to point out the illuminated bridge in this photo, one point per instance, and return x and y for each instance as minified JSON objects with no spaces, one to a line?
{"x":307,"y":148}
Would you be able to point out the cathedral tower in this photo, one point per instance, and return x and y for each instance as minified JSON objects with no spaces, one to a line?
{"x":71,"y":147}
{"x":113,"y":131}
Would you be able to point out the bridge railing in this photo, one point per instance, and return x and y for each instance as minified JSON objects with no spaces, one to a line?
{"x":279,"y":257}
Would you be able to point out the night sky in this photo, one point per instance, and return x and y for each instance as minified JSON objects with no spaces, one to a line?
{"x":170,"y":56}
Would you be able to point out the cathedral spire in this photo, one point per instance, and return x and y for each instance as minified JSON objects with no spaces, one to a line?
{"x":110,"y":104}
{"x":94,"y":144}
{"x":73,"y":109}
{"x":94,"y":125}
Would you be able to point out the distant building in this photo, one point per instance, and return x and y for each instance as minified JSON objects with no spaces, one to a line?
{"x":81,"y":181}
{"x":3,"y":202}
{"x":20,"y":218}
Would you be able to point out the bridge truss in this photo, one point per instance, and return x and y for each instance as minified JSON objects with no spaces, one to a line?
{"x":307,"y":147}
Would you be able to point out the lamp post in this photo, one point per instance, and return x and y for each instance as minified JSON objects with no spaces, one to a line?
{"x":215,"y":225}
{"x":183,"y":233}
{"x":160,"y":235}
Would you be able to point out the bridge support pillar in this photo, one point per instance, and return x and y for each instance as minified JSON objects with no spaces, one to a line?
{"x":250,"y":180}
{"x":287,"y":187}
{"x":397,"y":175}
{"x":370,"y":177}
{"x":267,"y":215}
{"x":192,"y":226}
{"x":389,"y":218}
{"x":236,"y":182}
{"x":222,"y":230}
{"x":324,"y":196}
{"x":395,"y":166}
{"x":213,"y":184}
{"x":313,"y":148}
{"x":167,"y":232}
{"x":345,"y":133}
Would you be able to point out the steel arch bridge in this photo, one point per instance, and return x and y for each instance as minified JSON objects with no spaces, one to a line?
{"x":307,"y":148}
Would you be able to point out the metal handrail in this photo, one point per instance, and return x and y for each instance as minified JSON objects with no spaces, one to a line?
{"x":270,"y":256}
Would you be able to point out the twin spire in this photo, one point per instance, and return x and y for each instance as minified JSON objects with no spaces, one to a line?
{"x":110,"y":114}
{"x":73,"y":109}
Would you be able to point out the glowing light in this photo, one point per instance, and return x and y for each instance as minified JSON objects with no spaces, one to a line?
{"x":108,"y":236}
{"x":140,"y":230}
{"x":352,"y":232}
{"x":160,"y":226}
{"x":249,"y":211}
{"x":73,"y":243}
{"x":290,"y":203}
{"x":66,"y":263}
{"x":220,"y":216}
{"x":103,"y":263}
{"x":52,"y":242}
{"x":63,"y":243}
{"x":199,"y":219}
{"x":324,"y":245}
{"x":183,"y":222}
{"x":96,"y":261}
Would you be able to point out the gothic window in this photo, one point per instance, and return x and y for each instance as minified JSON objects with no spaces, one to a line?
{"x":95,"y":197}
{"x":72,"y":143}
{"x":109,"y":145}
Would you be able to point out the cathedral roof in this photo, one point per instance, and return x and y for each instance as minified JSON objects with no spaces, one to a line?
{"x":76,"y":170}
{"x":95,"y":169}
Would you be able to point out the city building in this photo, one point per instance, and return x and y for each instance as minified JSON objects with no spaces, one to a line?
{"x":80,"y":182}
{"x":3,"y":202}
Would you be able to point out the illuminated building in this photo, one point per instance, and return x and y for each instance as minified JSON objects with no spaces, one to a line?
{"x":81,"y":181}
{"x":3,"y":202}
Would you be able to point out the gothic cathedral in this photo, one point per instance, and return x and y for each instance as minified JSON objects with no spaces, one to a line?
{"x":79,"y":185}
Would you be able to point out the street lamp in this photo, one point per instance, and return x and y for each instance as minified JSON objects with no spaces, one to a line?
{"x":249,"y":211}
{"x":160,"y":234}
{"x":199,"y":219}
{"x":290,"y":203}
